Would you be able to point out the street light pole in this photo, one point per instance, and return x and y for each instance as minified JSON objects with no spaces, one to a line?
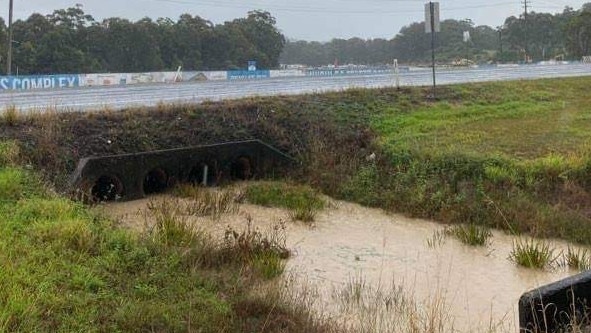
{"x":9,"y":57}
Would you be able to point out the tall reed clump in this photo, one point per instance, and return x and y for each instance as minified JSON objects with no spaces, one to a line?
{"x":390,"y":308}
{"x":470,"y":234}
{"x":10,"y":115}
{"x":579,"y":259}
{"x":533,"y":253}
{"x":209,"y":202}
{"x":302,"y":202}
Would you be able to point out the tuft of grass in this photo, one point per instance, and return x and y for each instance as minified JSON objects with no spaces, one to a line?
{"x":533,"y":253}
{"x":10,"y":116}
{"x":579,"y":259}
{"x":436,"y":239}
{"x":390,"y":309}
{"x":9,"y":154}
{"x":264,"y":251}
{"x":470,"y":234}
{"x":302,"y":202}
{"x":171,"y":227}
{"x":208,"y":202}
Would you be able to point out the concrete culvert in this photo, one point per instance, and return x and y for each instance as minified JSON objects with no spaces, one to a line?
{"x":156,"y":181}
{"x":242,"y":168}
{"x":107,"y":188}
{"x":203,"y":174}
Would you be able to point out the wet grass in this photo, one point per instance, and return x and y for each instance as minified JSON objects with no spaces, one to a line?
{"x":471,"y":234}
{"x":390,"y":308}
{"x":533,"y":253}
{"x":302,"y":202}
{"x":578,"y":259}
{"x":208,"y":202}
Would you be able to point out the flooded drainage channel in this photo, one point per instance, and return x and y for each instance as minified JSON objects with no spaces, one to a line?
{"x":352,"y":250}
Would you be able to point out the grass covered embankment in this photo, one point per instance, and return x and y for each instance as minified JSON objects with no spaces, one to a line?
{"x":65,"y":269}
{"x":510,"y":155}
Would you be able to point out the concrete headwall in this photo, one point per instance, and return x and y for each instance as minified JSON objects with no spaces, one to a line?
{"x":555,"y":307}
{"x":132,"y":176}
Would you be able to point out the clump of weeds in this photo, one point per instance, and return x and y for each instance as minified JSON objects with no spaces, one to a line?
{"x":302,"y":202}
{"x":533,"y":254}
{"x":209,"y":202}
{"x":470,"y":234}
{"x":579,"y":259}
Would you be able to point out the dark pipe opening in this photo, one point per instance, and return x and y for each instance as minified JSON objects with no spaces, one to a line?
{"x":201,"y":171}
{"x":156,"y":181}
{"x":107,"y":188}
{"x":242,"y":168}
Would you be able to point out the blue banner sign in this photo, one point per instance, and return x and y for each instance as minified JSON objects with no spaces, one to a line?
{"x":245,"y":75}
{"x":39,"y":82}
{"x":344,"y":71}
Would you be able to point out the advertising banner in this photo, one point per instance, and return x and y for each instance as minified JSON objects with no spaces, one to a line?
{"x":247,"y":75}
{"x":345,"y":71}
{"x":39,"y":82}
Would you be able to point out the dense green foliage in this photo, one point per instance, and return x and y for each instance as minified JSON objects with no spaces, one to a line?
{"x":70,"y":41}
{"x":563,"y":35}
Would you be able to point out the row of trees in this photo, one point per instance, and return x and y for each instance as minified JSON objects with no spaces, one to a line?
{"x":545,"y":36}
{"x":70,"y":41}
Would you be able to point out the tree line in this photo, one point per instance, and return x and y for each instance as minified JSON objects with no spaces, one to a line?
{"x":71,"y":41}
{"x":565,"y":35}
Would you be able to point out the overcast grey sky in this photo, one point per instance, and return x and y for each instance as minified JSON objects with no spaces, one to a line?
{"x":319,"y":20}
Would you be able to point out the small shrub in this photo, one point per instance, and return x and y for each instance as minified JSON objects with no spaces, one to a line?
{"x":305,"y":213}
{"x":532,"y":254}
{"x":471,"y":234}
{"x":12,"y":184}
{"x":268,"y":265}
{"x":250,"y":243}
{"x":171,"y":226}
{"x":578,"y":259}
{"x":9,"y":153}
{"x":10,"y":116}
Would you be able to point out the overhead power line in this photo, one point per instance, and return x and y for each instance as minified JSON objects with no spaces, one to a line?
{"x":328,"y":10}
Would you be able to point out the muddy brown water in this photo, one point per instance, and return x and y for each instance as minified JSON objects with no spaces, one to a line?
{"x":479,"y":285}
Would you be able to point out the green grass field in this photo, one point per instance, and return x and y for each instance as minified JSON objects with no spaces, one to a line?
{"x":510,"y":155}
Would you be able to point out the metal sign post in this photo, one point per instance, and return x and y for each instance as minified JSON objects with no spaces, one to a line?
{"x":397,"y":73}
{"x":432,"y":25}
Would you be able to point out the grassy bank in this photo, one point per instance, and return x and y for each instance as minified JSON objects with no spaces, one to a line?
{"x":66,"y":269}
{"x":510,"y":155}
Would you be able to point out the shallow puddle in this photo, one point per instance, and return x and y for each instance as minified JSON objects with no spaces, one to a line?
{"x":479,"y":287}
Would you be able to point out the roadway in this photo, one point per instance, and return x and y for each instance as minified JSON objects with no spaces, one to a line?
{"x":118,"y":97}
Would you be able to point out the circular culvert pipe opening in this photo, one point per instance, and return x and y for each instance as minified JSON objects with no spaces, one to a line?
{"x":155,"y":181}
{"x":107,"y":188}
{"x":242,"y":168}
{"x":203,"y":174}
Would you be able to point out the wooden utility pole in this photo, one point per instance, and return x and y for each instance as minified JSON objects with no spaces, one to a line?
{"x":9,"y":57}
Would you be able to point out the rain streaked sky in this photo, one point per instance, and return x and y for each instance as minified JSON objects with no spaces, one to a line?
{"x":319,"y":20}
